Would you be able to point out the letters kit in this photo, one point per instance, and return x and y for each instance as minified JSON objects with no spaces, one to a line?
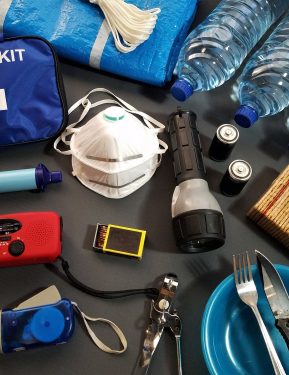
{"x":32,"y":98}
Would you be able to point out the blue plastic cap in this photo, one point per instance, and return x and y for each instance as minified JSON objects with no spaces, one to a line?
{"x":47,"y":324}
{"x":44,"y":177}
{"x":246,"y":116}
{"x":182,"y":90}
{"x":55,"y":177}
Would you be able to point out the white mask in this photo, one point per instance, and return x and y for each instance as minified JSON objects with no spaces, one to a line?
{"x":114,"y":153}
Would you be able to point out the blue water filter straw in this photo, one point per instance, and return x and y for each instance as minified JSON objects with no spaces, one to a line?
{"x":28,"y":179}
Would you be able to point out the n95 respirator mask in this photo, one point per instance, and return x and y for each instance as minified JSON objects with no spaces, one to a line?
{"x":114,"y":153}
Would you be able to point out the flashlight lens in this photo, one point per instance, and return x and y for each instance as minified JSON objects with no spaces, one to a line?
{"x":199,"y":230}
{"x":200,"y":245}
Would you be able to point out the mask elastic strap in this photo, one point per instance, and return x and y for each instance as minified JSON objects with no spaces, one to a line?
{"x":70,"y":128}
{"x":149,"y":121}
{"x":95,"y":339}
{"x":163,"y":145}
{"x":161,"y":151}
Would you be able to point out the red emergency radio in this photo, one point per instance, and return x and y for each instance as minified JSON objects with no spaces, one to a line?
{"x":29,"y":238}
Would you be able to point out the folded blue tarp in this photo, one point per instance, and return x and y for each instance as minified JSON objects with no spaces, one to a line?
{"x":78,"y":32}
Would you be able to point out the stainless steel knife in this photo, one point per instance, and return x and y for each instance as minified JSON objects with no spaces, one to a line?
{"x":276,"y":294}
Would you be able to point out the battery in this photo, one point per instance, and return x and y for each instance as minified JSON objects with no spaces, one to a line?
{"x":223,"y":142}
{"x":236,"y":177}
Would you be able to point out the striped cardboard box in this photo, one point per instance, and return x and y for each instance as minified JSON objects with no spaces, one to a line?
{"x":271,"y":212}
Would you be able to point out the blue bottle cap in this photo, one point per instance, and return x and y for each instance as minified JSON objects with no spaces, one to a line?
{"x":246,"y":116}
{"x":182,"y":90}
{"x":44,"y":177}
{"x":47,"y":324}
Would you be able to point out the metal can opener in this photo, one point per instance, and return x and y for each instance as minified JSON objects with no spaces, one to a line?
{"x":162,"y":316}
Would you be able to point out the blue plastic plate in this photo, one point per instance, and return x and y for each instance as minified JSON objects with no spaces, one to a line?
{"x":231,"y":339}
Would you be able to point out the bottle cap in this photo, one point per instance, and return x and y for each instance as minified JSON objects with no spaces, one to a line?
{"x":246,"y":116}
{"x":43,"y":177}
{"x":182,"y":90}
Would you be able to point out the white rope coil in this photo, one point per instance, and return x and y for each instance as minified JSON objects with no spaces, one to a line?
{"x":130,"y":26}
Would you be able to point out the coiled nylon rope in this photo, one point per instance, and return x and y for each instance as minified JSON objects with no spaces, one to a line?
{"x":130,"y":26}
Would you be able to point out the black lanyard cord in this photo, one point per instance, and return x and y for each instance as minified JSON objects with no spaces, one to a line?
{"x":149,"y":292}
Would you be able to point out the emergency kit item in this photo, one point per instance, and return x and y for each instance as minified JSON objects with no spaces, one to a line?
{"x":263,"y":86}
{"x":130,"y":26}
{"x":108,"y":294}
{"x":271,"y":212}
{"x":197,"y":217}
{"x":236,"y":177}
{"x":216,"y":48}
{"x":79,"y":32}
{"x":114,"y":153}
{"x":32,"y":98}
{"x":47,"y":319}
{"x":162,"y":316}
{"x":29,"y":238}
{"x":118,"y":240}
{"x":28,"y":179}
{"x":36,"y":237}
{"x":223,"y":142}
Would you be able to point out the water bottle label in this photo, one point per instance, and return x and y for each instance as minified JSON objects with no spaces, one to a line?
{"x":3,"y":102}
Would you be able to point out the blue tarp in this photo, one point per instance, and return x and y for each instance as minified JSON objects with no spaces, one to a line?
{"x":77,"y":30}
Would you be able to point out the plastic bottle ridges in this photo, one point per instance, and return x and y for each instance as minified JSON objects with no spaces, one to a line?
{"x":264,"y":83}
{"x":217,"y":47}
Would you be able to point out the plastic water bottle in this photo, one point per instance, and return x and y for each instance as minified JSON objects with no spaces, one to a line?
{"x":264,"y":83}
{"x":217,"y":47}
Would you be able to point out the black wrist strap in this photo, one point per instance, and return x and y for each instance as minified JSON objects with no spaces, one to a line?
{"x":149,"y":292}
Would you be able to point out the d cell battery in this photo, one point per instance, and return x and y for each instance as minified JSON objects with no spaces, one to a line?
{"x":236,"y":177}
{"x":223,"y":142}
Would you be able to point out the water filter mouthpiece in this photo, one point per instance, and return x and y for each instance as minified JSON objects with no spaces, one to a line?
{"x":44,"y":177}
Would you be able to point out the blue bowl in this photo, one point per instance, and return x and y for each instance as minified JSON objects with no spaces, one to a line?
{"x":232,"y":342}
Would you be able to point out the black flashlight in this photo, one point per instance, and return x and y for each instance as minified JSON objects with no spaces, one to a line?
{"x":197,"y":217}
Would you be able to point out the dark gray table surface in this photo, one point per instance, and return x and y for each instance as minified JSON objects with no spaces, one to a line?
{"x":264,"y":146}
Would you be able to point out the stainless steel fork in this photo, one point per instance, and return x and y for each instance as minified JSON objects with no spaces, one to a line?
{"x":247,"y":291}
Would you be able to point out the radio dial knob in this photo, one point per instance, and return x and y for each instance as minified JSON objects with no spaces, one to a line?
{"x":16,"y":248}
